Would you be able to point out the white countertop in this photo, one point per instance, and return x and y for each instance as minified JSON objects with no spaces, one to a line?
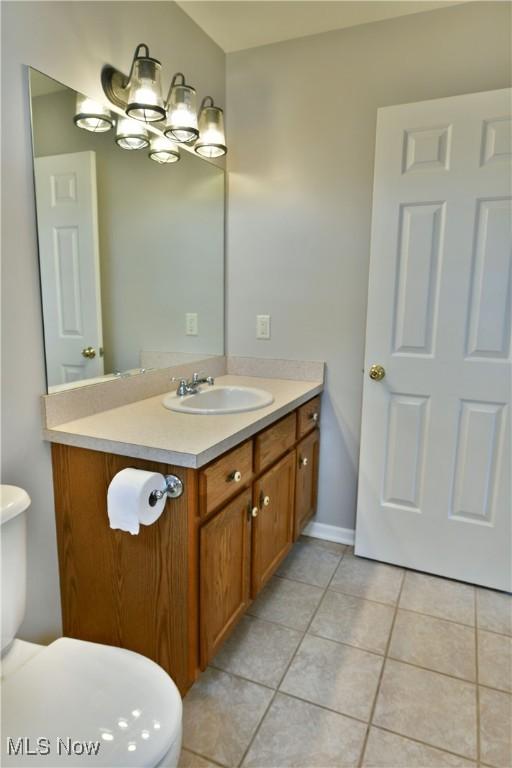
{"x":148,"y":430}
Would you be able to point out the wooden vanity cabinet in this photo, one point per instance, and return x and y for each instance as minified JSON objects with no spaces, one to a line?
{"x":176,"y":590}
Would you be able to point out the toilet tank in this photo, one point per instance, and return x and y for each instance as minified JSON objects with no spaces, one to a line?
{"x":13,"y":505}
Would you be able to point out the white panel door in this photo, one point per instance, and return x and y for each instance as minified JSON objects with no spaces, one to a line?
{"x":434,"y":477}
{"x":67,"y":221}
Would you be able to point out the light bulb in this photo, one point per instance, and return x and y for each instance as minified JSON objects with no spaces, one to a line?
{"x":181,"y":112}
{"x":163,"y":150}
{"x":131,"y":134}
{"x":144,"y":89}
{"x":91,"y":115}
{"x":212,"y":141}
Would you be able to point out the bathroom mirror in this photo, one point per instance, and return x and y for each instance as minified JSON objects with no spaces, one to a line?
{"x":131,"y":251}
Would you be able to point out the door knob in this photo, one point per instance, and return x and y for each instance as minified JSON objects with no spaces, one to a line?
{"x":266,"y":501}
{"x":254,"y":511}
{"x":303,"y":461}
{"x":89,"y":352}
{"x":376,"y":372}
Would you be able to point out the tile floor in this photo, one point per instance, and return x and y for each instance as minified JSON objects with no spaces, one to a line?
{"x":343,"y":661}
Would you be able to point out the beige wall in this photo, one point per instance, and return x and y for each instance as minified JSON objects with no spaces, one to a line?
{"x":70,"y":41}
{"x":301,"y":135}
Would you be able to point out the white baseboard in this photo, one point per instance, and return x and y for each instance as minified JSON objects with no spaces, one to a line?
{"x":330,"y":533}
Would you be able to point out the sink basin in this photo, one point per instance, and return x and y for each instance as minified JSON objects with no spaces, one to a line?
{"x":219,"y":399}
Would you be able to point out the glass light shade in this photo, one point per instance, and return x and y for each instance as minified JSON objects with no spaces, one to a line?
{"x":163,"y":150}
{"x":91,"y":115}
{"x":212,"y":141}
{"x":182,"y":114}
{"x":131,"y":134}
{"x":145,"y":91}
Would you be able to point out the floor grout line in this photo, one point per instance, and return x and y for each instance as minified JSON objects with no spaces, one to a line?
{"x":493,"y":632}
{"x":203,"y":757}
{"x":238,"y":676}
{"x":424,"y":743}
{"x":322,"y":707}
{"x":381,"y":675}
{"x":434,"y":671}
{"x":275,"y":623}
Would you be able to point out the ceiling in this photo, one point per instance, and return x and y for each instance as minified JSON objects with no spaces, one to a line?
{"x":238,"y":24}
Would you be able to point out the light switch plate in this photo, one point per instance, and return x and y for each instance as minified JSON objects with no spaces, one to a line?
{"x":191,"y":324}
{"x":263,"y":326}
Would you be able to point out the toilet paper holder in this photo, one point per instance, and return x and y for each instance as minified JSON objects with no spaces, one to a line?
{"x":173,"y":489}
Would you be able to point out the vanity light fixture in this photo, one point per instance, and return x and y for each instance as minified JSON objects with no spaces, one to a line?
{"x":131,"y":134}
{"x":139,"y":95}
{"x":181,"y":111}
{"x":212,"y":141}
{"x":91,"y":115}
{"x":163,"y":150}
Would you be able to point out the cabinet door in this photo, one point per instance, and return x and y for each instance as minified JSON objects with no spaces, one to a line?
{"x":306,"y":480}
{"x":272,"y":535}
{"x":224,"y":573}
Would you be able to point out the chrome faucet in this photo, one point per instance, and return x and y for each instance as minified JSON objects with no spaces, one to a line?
{"x":191,"y":386}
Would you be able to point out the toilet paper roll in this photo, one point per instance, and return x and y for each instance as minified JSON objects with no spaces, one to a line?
{"x":130,"y":499}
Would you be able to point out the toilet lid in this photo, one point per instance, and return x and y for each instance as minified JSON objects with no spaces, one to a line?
{"x":75,"y":693}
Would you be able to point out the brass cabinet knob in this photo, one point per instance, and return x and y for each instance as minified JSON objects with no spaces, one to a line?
{"x":266,"y":501}
{"x":254,"y":512}
{"x":235,"y":476}
{"x":376,"y":372}
{"x":89,"y":352}
{"x":303,"y":461}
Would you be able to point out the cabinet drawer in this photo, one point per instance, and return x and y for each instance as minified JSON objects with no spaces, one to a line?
{"x":270,"y":444}
{"x":309,"y":416}
{"x":224,"y":477}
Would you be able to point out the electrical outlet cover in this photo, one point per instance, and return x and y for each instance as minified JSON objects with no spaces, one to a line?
{"x":263,"y":326}
{"x":191,"y":324}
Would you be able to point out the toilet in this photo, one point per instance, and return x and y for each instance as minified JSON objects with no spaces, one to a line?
{"x":76,"y":702}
